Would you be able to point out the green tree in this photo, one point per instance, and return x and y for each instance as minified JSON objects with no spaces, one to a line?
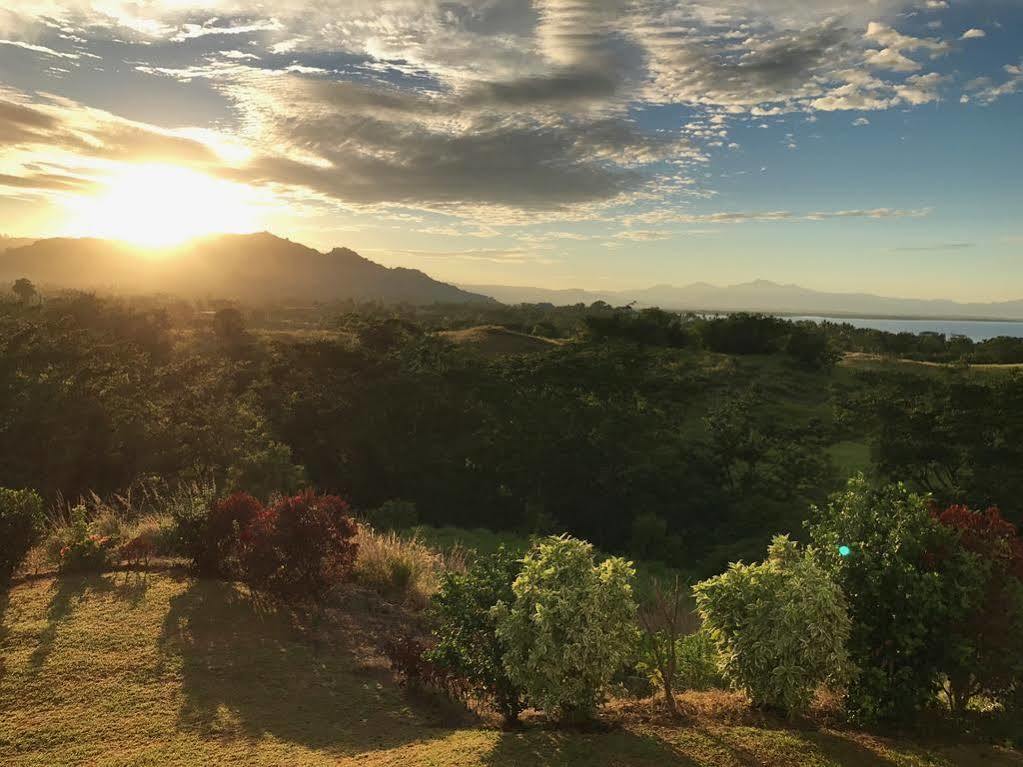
{"x":570,"y":627}
{"x":467,"y":641}
{"x":877,"y":544}
{"x":781,"y":626}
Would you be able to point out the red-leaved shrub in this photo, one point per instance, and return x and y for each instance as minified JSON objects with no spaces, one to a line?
{"x":228,"y":521}
{"x":300,"y":546}
{"x":984,"y":633}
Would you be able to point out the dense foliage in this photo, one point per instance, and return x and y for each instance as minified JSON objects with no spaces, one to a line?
{"x":569,"y":628}
{"x":781,"y":626}
{"x":21,"y":523}
{"x":299,"y":546}
{"x":466,"y":633}
{"x":878,"y":544}
{"x":983,"y":639}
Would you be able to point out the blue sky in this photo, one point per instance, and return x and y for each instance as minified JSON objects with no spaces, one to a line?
{"x":849,"y":146}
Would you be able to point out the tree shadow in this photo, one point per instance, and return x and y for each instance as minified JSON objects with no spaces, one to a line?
{"x":549,"y":748}
{"x":68,"y":590}
{"x":248,"y":672}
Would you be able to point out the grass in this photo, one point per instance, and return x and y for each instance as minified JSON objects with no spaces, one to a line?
{"x":161,"y":669}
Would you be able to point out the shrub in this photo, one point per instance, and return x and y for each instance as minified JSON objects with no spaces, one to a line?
{"x":410,"y":661}
{"x":300,"y":546}
{"x":781,"y":626}
{"x":983,"y":638}
{"x":570,"y":626}
{"x":21,"y":525}
{"x":228,"y":518}
{"x":394,"y":515}
{"x":83,"y":549}
{"x":876,"y":544}
{"x":467,"y":641}
{"x":189,"y":509}
{"x":403,"y":569}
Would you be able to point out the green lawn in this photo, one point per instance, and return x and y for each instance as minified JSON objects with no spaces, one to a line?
{"x":126,"y":669}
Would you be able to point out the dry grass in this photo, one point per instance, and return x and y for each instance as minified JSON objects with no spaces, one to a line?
{"x":400,"y":568}
{"x":494,"y":340}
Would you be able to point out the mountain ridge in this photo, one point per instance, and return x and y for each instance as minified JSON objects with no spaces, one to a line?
{"x":762,"y":295}
{"x":241,"y":266}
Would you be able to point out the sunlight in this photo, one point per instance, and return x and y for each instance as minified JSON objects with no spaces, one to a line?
{"x":163,"y":205}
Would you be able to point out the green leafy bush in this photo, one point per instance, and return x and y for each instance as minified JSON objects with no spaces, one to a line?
{"x":189,"y":508}
{"x":21,"y":524}
{"x":84,"y":549}
{"x":466,"y":633}
{"x":877,"y":545}
{"x":394,"y":515}
{"x":570,"y":626}
{"x":781,"y":626}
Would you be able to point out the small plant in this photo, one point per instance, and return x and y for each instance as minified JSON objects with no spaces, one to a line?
{"x":780,"y":625}
{"x":85,"y":550}
{"x":410,"y":661}
{"x":666,"y":619}
{"x":21,"y":525}
{"x":189,"y":507}
{"x":300,"y":546}
{"x":467,"y":641}
{"x":570,"y":627}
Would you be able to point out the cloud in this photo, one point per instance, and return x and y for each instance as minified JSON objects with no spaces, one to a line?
{"x":987,"y":91}
{"x":973,"y":34}
{"x":861,"y":121}
{"x":936,"y":247}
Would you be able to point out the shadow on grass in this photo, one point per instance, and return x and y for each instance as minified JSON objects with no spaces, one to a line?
{"x":247,"y":672}
{"x":540,"y":748}
{"x":68,"y":590}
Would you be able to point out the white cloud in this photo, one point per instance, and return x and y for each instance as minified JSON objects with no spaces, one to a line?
{"x":973,"y":34}
{"x":861,"y":121}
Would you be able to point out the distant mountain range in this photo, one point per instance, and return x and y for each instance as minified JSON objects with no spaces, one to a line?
{"x":246,"y":267}
{"x":761,"y":296}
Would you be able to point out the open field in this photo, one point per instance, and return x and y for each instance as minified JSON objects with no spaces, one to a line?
{"x":161,"y":669}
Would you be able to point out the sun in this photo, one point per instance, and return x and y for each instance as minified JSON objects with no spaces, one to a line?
{"x":159,"y":206}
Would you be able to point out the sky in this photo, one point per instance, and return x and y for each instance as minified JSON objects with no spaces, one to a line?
{"x":606,"y":144}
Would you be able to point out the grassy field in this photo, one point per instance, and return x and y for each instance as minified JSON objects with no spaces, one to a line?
{"x":161,"y":669}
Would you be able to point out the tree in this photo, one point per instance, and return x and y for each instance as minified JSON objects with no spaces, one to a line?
{"x":666,"y":619}
{"x":24,"y":290}
{"x":781,"y":626}
{"x":229,"y":325}
{"x":570,"y":627}
{"x":983,"y":638}
{"x":878,"y":544}
{"x":467,"y":641}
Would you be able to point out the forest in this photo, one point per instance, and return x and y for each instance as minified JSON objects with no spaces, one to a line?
{"x":684,"y":439}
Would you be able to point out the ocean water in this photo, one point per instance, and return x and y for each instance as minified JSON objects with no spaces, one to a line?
{"x":978,"y":330}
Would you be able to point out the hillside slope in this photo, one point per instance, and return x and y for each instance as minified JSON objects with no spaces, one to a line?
{"x":129,"y":668}
{"x":247,"y":267}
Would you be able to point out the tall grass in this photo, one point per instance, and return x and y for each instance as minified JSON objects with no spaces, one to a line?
{"x":402,"y":568}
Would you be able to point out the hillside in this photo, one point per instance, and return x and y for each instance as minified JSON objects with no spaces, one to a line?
{"x":247,"y":267}
{"x":134,"y":668}
{"x":763,"y":296}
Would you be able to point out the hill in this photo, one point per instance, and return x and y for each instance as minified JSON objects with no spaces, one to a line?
{"x":247,"y":267}
{"x":160,"y":668}
{"x":762,"y":296}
